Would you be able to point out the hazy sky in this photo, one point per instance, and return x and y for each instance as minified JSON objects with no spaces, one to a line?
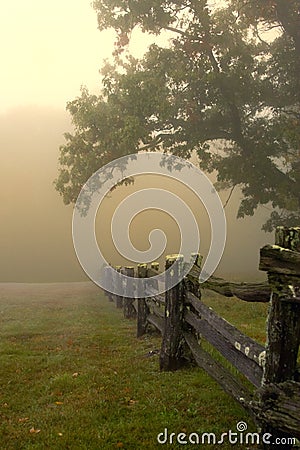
{"x":49,"y":49}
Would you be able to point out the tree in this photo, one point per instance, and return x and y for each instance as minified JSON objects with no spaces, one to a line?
{"x":226,"y":87}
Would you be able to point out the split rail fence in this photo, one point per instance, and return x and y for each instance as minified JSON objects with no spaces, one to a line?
{"x":184,"y":322}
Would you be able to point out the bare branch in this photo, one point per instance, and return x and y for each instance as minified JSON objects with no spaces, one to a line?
{"x":229,"y":196}
{"x":175,"y":30}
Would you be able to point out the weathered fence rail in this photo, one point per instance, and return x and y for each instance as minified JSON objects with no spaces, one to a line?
{"x":185,"y":322}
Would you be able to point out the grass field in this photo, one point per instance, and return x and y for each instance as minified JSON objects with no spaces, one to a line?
{"x":74,"y":376}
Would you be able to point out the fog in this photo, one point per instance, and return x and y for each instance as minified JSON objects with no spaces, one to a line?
{"x":36,"y":239}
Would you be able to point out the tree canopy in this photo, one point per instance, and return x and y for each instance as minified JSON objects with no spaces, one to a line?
{"x":226,"y":87}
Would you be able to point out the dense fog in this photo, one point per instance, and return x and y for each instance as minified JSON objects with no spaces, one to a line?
{"x":36,"y":237}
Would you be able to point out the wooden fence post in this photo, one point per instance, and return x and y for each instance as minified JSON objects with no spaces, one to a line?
{"x":193,"y":286}
{"x":107,"y":275}
{"x":128,"y":308}
{"x":192,"y":283}
{"x":104,"y":274}
{"x":172,"y":342}
{"x":118,"y":281}
{"x":154,"y":270}
{"x":155,"y":266}
{"x":283,"y":329}
{"x":142,"y":307}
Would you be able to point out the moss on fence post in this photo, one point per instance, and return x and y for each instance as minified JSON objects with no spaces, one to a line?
{"x":171,"y":356}
{"x":155,"y":266}
{"x":283,"y":328}
{"x":283,"y":332}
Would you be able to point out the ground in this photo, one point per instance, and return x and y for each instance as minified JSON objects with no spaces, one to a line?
{"x":74,"y":375}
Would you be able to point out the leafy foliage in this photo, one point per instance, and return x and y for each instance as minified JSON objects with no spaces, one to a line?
{"x":226,"y":87}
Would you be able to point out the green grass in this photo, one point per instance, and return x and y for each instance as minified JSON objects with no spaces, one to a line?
{"x":74,"y":375}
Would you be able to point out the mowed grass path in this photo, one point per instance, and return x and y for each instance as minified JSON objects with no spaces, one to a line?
{"x":74,"y":376}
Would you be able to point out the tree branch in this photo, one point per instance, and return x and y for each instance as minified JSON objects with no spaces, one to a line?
{"x":175,"y":30}
{"x":229,"y":196}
